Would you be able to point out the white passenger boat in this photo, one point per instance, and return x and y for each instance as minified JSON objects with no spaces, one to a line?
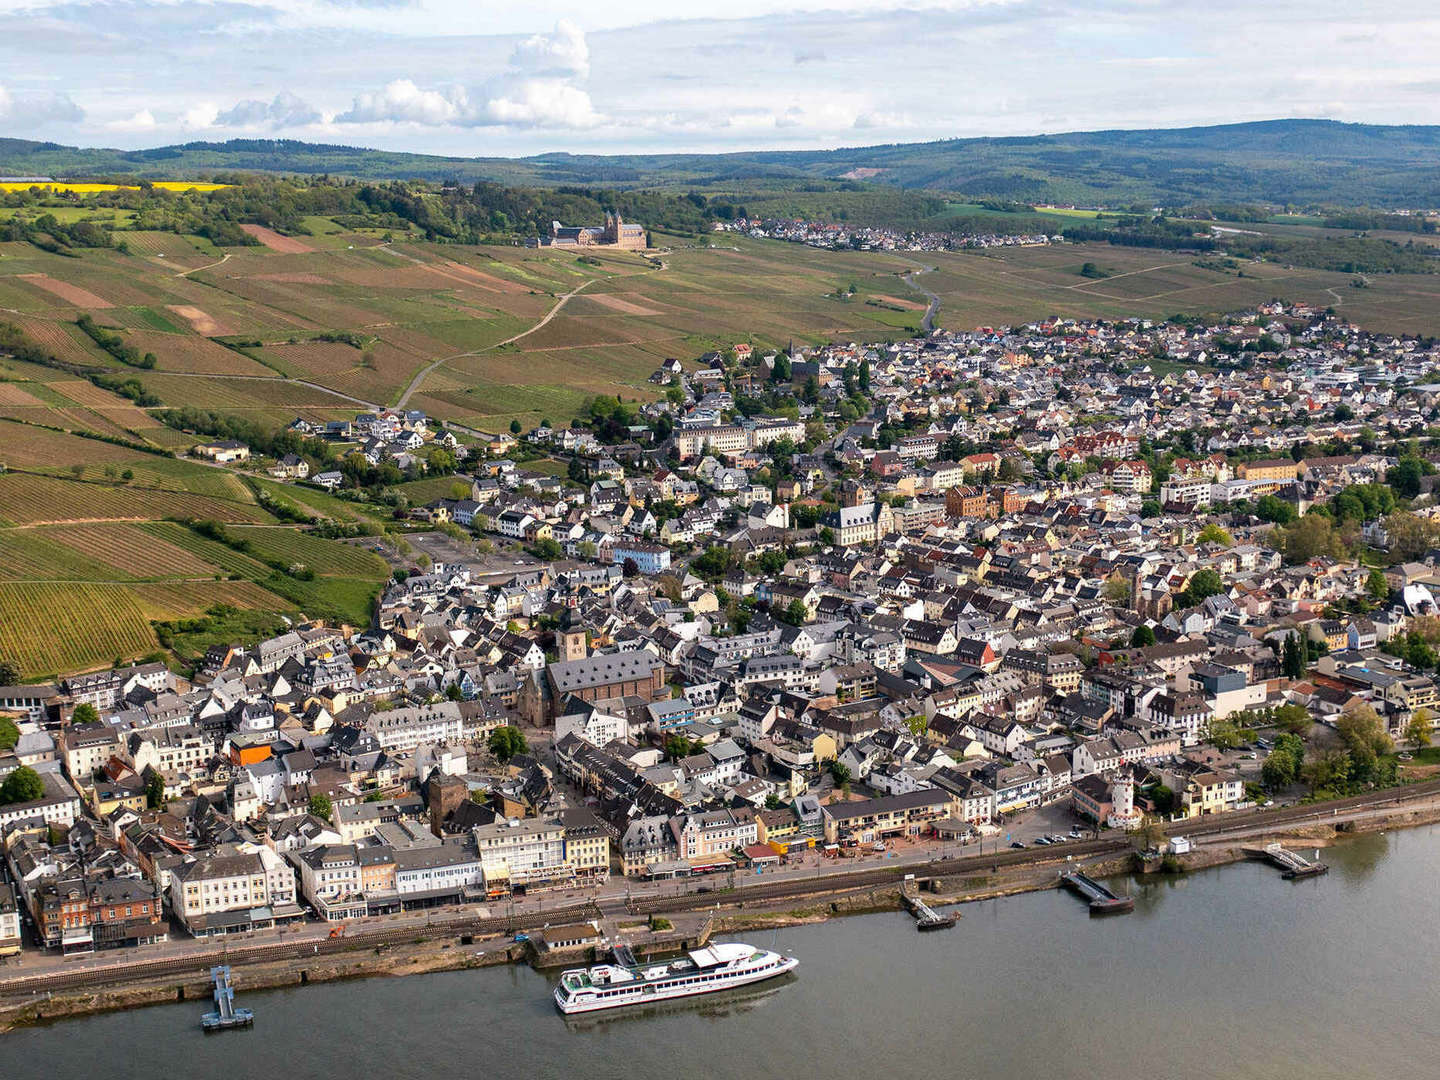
{"x":703,"y":971}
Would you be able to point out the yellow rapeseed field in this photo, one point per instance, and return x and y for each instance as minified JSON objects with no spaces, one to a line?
{"x":90,"y":189}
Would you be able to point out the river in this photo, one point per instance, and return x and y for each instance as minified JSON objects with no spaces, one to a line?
{"x":1227,"y":972}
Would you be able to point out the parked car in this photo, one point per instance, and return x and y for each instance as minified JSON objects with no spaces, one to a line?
{"x":1018,"y":844}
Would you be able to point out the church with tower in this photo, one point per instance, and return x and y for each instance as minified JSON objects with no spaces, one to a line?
{"x":614,"y":233}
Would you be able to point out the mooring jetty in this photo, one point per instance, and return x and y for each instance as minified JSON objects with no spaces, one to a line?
{"x":1292,"y":864}
{"x":226,"y":1015}
{"x":926,"y":917}
{"x":1102,"y":900}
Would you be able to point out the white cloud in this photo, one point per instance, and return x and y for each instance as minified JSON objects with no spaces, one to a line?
{"x":24,"y":111}
{"x":198,"y":117}
{"x":641,"y":77}
{"x":875,"y":119}
{"x":548,"y":103}
{"x":403,"y":102}
{"x":563,"y":52}
{"x":286,"y":110}
{"x":144,"y":120}
{"x":530,"y":103}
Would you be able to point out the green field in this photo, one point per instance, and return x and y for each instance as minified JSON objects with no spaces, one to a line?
{"x":87,"y":565}
{"x":1016,"y":285}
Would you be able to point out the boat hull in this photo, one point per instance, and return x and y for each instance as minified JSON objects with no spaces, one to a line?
{"x":571,"y":1007}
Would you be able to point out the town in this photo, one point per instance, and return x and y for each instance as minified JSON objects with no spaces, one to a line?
{"x":1017,"y":585}
{"x":876,"y":237}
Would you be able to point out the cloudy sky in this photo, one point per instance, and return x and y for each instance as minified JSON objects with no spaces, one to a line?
{"x":479,"y":77}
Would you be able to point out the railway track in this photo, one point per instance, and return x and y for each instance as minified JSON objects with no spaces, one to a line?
{"x":197,"y":964}
{"x":883,"y":875}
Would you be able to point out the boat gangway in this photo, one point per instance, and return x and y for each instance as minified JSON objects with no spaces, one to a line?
{"x":1292,"y":864}
{"x":226,"y":1015}
{"x":926,"y":917}
{"x":1102,"y":900}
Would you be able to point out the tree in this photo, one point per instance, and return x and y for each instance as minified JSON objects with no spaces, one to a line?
{"x":1310,"y":536}
{"x":713,"y":563}
{"x":1204,"y":584}
{"x":515,"y":427}
{"x":1362,"y":502}
{"x":1294,"y":719}
{"x":1417,"y":731}
{"x":22,"y":785}
{"x":1363,"y":733}
{"x":1150,"y":508}
{"x":9,"y":733}
{"x":85,"y":714}
{"x":1117,"y":589}
{"x":1275,"y":511}
{"x":1327,"y":771}
{"x":918,"y":725}
{"x":840,"y":773}
{"x":1282,"y":767}
{"x":630,"y":568}
{"x":320,"y":806}
{"x":155,"y":792}
{"x":1213,"y":533}
{"x":1406,"y":475}
{"x":9,"y":673}
{"x":453,"y":692}
{"x":505,"y":742}
{"x":1292,"y":663}
{"x":1163,"y":798}
{"x":1142,"y":636}
{"x":1417,"y":651}
{"x":864,"y":374}
{"x":1224,"y":735}
{"x":795,"y":613}
{"x":680,"y":746}
{"x":1410,"y":535}
{"x":1376,"y":584}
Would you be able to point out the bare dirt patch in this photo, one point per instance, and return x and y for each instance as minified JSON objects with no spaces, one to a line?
{"x":198,"y":320}
{"x":287,"y":245}
{"x":294,"y":278}
{"x":911,"y":305}
{"x":71,"y":294}
{"x":466,"y":275}
{"x":620,"y":304}
{"x":14,"y":394}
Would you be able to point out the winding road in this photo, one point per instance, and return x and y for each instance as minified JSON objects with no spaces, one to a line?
{"x":420,"y":375}
{"x":928,"y":322}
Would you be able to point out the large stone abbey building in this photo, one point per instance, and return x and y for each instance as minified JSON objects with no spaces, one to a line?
{"x":614,"y":233}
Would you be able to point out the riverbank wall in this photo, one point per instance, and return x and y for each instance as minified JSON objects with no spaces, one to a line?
{"x":730,"y":912}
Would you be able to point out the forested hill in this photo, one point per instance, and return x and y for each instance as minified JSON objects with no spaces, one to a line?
{"x":1293,"y":162}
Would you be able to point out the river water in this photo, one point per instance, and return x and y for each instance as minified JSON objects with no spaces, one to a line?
{"x":1231,"y":972}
